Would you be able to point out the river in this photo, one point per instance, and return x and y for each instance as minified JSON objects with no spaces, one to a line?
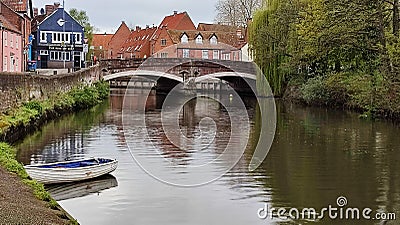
{"x":318,"y":156}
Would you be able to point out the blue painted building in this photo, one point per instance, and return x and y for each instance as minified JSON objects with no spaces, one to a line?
{"x":58,"y":41}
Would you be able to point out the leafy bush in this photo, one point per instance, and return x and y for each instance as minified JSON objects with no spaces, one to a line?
{"x":315,"y":91}
{"x":35,"y":105}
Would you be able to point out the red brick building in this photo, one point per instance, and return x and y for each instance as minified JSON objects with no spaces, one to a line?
{"x":203,"y":45}
{"x":100,"y":45}
{"x":117,"y":41}
{"x":177,"y":21}
{"x":138,"y":43}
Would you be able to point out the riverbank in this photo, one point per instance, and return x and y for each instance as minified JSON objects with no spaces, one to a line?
{"x":372,"y":96}
{"x":24,"y":201}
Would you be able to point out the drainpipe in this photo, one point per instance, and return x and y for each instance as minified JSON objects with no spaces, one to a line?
{"x":2,"y":46}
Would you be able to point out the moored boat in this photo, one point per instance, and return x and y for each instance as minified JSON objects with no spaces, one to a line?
{"x":71,"y":171}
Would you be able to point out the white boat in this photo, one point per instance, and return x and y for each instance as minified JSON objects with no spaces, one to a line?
{"x":71,"y":171}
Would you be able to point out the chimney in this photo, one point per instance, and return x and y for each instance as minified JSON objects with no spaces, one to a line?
{"x":49,"y":9}
{"x":35,"y":12}
{"x":175,"y":12}
{"x":147,"y":26}
{"x":56,"y":5}
{"x":138,"y":28}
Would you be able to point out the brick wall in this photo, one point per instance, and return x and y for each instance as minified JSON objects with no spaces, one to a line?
{"x":18,"y":88}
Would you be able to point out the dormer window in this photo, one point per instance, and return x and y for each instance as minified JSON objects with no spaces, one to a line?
{"x":199,"y":39}
{"x":184,"y":38}
{"x":213,"y":40}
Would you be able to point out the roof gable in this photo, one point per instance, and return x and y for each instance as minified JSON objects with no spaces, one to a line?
{"x":52,"y":22}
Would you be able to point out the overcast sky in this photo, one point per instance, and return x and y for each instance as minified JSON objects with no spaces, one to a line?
{"x":107,"y":15}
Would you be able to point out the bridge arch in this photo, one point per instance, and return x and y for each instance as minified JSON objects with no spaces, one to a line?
{"x":151,"y":74}
{"x":221,"y":75}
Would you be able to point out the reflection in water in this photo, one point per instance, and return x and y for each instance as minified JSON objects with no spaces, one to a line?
{"x":79,"y":189}
{"x":317,"y":156}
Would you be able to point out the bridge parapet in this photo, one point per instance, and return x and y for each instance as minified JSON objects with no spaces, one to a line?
{"x":177,"y":65}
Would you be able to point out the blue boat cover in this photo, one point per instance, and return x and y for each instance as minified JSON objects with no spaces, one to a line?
{"x":83,"y":163}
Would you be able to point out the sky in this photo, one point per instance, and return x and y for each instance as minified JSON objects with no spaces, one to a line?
{"x":107,"y":15}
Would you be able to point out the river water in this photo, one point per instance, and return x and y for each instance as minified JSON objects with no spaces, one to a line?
{"x":317,"y":156}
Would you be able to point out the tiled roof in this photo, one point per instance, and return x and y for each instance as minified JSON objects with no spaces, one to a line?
{"x":176,"y":21}
{"x":17,"y":5}
{"x":101,"y":40}
{"x":119,"y":38}
{"x":36,"y":21}
{"x":138,"y":39}
{"x":217,"y":27}
{"x":228,"y":38}
{"x":8,"y":25}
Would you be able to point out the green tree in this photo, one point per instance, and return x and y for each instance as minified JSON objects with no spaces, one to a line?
{"x":82,"y":18}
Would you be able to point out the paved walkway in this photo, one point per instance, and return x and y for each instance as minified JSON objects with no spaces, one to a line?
{"x":18,"y":205}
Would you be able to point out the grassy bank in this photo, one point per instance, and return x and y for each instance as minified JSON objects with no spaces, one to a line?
{"x":373,"y":96}
{"x":33,"y":114}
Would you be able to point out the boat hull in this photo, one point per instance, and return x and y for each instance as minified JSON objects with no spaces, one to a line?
{"x":64,"y":175}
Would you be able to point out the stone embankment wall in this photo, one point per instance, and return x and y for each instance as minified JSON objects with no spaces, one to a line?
{"x":16,"y":88}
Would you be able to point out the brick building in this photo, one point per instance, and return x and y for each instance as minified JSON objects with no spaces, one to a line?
{"x":177,"y":21}
{"x":117,"y":41}
{"x":19,"y":13}
{"x":138,"y":43}
{"x":100,"y":45}
{"x":11,"y":42}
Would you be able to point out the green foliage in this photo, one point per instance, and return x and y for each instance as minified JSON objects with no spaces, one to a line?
{"x":82,"y":18}
{"x":315,"y":91}
{"x":344,"y":52}
{"x":77,"y":98}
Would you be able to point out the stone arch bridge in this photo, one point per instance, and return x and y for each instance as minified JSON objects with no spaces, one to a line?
{"x":168,"y":72}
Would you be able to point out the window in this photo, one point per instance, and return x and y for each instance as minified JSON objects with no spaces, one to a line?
{"x":205,"y":54}
{"x":164,"y":55}
{"x":44,"y":52}
{"x":5,"y":63}
{"x":78,"y":38}
{"x":43,"y":37}
{"x":60,"y":37}
{"x":186,"y":53}
{"x":16,"y":64}
{"x":199,"y":39}
{"x":215,"y":54}
{"x":163,"y":42}
{"x":16,"y":42}
{"x":213,"y":40}
{"x":5,"y":40}
{"x":59,"y":56}
{"x":11,"y":41}
{"x":226,"y":56}
{"x":184,"y":38}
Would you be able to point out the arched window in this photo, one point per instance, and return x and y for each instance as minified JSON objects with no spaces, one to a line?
{"x":199,"y":39}
{"x":184,"y":38}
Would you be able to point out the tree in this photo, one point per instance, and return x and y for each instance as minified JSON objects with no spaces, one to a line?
{"x":236,"y":12}
{"x":83,"y":19}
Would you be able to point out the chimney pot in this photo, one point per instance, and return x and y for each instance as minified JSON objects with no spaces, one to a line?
{"x":175,"y":12}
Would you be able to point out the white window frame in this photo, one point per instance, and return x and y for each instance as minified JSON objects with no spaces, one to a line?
{"x":163,"y":42}
{"x":164,"y":55}
{"x":184,"y":38}
{"x":43,"y":37}
{"x":44,"y":52}
{"x":226,"y":56}
{"x":11,"y":41}
{"x":78,"y":38}
{"x":185,"y":53}
{"x":16,"y":41}
{"x":60,"y":37}
{"x":5,"y":63}
{"x":204,"y":54}
{"x":5,"y":38}
{"x":216,"y":54}
{"x":59,"y":56}
{"x":213,"y":40}
{"x":199,"y":39}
